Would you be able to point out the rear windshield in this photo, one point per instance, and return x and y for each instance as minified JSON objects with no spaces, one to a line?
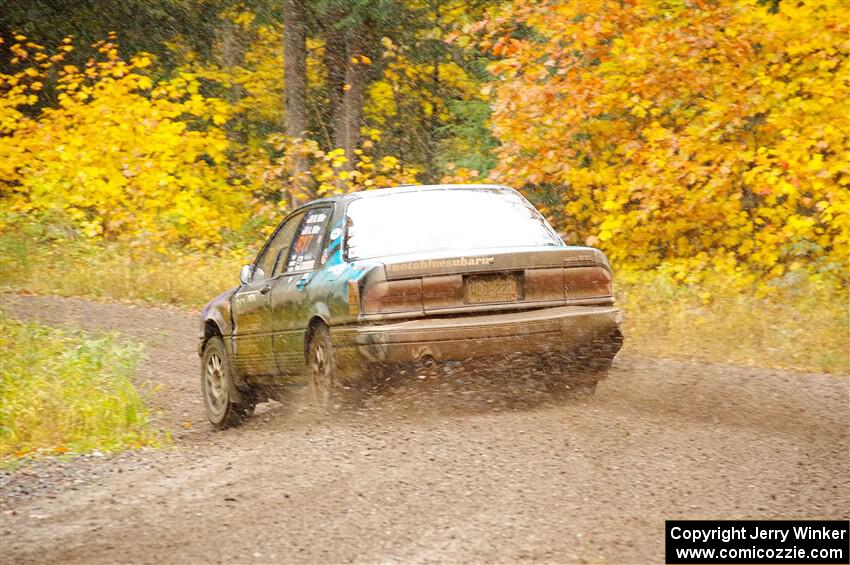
{"x":444,"y":220}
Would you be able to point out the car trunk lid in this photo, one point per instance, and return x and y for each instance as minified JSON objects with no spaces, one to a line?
{"x":503,"y":280}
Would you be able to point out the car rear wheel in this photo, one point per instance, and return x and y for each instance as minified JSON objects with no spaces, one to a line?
{"x":321,"y":369}
{"x":323,"y":387}
{"x":225,"y":407}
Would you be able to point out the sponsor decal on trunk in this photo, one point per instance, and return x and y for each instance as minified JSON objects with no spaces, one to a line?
{"x":579,"y":259}
{"x":438,"y":263}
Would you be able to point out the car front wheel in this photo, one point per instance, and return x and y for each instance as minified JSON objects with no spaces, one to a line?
{"x":225,"y":408}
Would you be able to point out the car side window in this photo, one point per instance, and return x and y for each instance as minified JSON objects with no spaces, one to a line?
{"x":275,"y":253}
{"x":308,"y":245}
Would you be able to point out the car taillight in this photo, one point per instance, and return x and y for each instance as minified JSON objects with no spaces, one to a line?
{"x":587,"y":282}
{"x":442,"y":291}
{"x":544,"y":284}
{"x":353,"y":298}
{"x":571,"y":282}
{"x":394,"y":296}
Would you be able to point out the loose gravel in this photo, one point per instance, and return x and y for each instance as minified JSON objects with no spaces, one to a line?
{"x":429,"y":474}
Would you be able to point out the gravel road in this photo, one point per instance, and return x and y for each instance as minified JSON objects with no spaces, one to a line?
{"x":481,"y":480}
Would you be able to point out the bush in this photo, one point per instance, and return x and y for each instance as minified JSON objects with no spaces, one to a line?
{"x":119,"y":155}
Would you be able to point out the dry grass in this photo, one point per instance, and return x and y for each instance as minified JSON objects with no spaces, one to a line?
{"x":804,"y":326}
{"x":115,"y":272}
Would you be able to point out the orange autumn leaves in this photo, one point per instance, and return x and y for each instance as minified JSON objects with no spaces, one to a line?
{"x":705,"y":136}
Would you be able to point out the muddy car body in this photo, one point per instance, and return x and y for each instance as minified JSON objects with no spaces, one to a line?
{"x":350,"y":285}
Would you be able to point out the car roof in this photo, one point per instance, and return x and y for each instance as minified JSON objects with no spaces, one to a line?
{"x":400,"y":189}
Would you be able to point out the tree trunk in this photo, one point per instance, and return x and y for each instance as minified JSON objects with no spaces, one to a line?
{"x":350,"y":109}
{"x":432,"y":123}
{"x":335,"y":63}
{"x":231,"y":42}
{"x":295,"y":75}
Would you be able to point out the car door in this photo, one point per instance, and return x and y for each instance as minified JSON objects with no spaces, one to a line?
{"x":291,"y":297}
{"x":253,"y":352}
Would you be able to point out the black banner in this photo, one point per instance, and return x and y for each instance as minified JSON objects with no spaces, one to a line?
{"x":757,"y":541}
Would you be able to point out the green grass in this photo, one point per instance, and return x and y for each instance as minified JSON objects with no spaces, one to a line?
{"x":801,"y":325}
{"x":66,"y":392}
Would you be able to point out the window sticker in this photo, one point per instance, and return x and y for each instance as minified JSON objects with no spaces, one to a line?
{"x":303,"y":243}
{"x":307,"y":246}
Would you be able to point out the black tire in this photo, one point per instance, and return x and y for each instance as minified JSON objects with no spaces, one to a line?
{"x":225,"y":407}
{"x":323,"y":389}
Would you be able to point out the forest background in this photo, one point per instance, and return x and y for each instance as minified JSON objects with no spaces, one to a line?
{"x":148,"y":146}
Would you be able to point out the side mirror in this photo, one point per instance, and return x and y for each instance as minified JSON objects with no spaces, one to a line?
{"x":246,"y":274}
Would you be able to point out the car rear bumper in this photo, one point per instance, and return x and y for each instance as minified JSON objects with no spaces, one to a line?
{"x":559,"y":331}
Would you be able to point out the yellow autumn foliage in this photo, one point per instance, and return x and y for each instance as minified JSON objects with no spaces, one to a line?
{"x":248,"y":71}
{"x":402,"y":79}
{"x":326,"y":173}
{"x":120,"y":155}
{"x":124,"y":156}
{"x":705,"y":136}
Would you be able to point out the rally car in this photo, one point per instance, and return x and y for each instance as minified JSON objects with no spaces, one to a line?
{"x":350,"y":285}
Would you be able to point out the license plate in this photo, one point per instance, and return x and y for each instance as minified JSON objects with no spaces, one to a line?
{"x":491,"y":288}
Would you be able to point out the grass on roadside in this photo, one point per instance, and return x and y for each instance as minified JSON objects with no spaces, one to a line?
{"x":801,"y":326}
{"x":115,"y":271}
{"x":66,"y":392}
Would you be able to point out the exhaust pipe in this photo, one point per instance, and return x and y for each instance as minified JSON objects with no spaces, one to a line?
{"x":427,"y":362}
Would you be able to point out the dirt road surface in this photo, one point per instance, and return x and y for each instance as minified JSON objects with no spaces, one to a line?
{"x":477,"y":481}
